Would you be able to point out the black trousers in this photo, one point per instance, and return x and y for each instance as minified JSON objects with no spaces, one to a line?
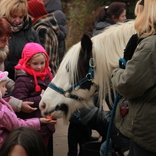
{"x":78,"y":134}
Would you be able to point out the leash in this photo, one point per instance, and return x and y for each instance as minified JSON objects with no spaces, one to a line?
{"x":122,"y":62}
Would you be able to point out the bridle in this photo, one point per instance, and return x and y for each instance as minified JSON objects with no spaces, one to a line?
{"x":67,"y":93}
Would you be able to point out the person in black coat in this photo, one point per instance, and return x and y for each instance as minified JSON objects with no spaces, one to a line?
{"x":15,"y":12}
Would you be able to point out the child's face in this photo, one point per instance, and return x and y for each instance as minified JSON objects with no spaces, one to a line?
{"x":37,"y":63}
{"x":17,"y":150}
{"x":3,"y":87}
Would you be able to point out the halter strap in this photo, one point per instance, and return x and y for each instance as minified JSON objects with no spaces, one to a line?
{"x":89,"y":76}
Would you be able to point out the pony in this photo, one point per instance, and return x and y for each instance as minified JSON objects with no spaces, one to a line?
{"x":84,"y":70}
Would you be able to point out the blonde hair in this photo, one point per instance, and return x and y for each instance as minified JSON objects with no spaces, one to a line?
{"x":36,"y":55}
{"x":145,"y":18}
{"x":9,"y":7}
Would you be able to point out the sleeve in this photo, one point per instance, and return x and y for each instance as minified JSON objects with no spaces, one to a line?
{"x":131,"y":82}
{"x":34,"y":36}
{"x":62,"y":34}
{"x":15,"y":103}
{"x":47,"y":129}
{"x":130,"y":47}
{"x":10,"y":120}
{"x":22,"y":91}
{"x":10,"y":85}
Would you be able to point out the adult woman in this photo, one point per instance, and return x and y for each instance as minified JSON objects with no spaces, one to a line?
{"x":5,"y":35}
{"x":137,"y":83}
{"x":106,"y":16}
{"x":15,"y":11}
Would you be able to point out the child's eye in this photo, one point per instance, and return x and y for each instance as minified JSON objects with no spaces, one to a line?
{"x":42,"y":62}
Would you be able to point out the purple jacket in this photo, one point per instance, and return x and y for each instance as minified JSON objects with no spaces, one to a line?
{"x":9,"y":121}
{"x":25,"y":90}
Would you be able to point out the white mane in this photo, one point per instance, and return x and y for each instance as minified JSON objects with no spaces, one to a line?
{"x":108,"y":47}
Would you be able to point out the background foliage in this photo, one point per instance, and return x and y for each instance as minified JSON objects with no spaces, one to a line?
{"x":80,"y":16}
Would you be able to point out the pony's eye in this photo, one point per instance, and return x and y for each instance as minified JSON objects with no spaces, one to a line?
{"x":43,"y":106}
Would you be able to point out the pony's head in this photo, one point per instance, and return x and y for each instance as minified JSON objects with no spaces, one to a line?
{"x":85,"y":69}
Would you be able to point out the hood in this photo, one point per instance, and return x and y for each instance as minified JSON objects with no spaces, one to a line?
{"x":31,"y":49}
{"x":53,"y":5}
{"x":48,"y":21}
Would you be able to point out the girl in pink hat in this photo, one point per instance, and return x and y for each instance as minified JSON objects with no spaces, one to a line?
{"x":8,"y":118}
{"x":32,"y":77}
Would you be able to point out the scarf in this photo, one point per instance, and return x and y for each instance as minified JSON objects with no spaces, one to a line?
{"x":15,"y":27}
{"x":41,"y":75}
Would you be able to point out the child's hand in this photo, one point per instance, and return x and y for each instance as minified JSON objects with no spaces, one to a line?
{"x":26,"y":107}
{"x":50,"y":117}
{"x":45,"y":120}
{"x":42,"y":92}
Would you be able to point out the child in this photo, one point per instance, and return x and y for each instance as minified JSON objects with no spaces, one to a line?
{"x":8,"y":119}
{"x":23,"y":141}
{"x":32,"y":77}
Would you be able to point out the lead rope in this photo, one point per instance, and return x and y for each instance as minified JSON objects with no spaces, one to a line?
{"x":122,"y":62}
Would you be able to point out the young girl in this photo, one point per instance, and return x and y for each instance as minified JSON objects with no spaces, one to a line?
{"x":8,"y":119}
{"x":23,"y":141}
{"x":32,"y":77}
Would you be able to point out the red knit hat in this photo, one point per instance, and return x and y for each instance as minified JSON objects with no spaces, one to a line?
{"x":36,"y":8}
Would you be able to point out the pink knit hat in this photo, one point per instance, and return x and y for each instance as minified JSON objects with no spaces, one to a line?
{"x":36,"y":8}
{"x":3,"y":76}
{"x":29,"y":50}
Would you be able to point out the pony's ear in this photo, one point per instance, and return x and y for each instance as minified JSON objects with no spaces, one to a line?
{"x":86,"y":44}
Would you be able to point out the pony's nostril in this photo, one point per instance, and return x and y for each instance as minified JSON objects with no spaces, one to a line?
{"x":57,"y":107}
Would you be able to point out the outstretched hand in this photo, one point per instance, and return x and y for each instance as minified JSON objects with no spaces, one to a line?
{"x":26,"y":107}
{"x":50,"y":121}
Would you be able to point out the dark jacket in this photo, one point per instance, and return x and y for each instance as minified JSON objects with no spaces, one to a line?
{"x":100,"y":26}
{"x":25,"y":90}
{"x":53,"y":5}
{"x":137,"y":83}
{"x":16,"y":44}
{"x":61,"y":20}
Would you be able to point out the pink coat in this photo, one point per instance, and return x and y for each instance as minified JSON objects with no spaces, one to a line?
{"x":9,"y":121}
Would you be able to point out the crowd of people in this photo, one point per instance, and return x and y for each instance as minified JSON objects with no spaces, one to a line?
{"x":29,"y":46}
{"x":32,"y":46}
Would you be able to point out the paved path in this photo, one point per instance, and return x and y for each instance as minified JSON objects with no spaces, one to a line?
{"x":60,"y":145}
